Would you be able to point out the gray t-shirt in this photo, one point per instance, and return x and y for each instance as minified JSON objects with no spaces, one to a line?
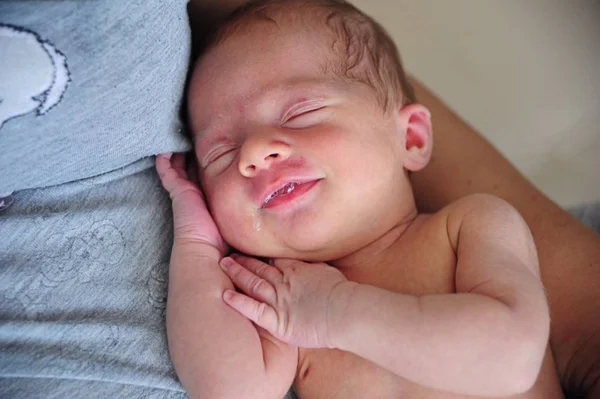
{"x":87,"y":87}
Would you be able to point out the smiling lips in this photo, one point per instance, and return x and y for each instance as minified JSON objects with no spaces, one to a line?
{"x":285,"y":190}
{"x":287,"y":193}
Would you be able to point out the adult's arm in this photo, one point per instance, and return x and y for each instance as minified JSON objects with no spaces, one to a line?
{"x":464,"y":163}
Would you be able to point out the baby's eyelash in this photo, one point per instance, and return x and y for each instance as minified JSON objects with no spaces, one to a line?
{"x":216,"y":154}
{"x":304,"y":112}
{"x":301,"y":109}
{"x":309,"y":118}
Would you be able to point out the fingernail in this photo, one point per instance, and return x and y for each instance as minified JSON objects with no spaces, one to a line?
{"x":227,"y":295}
{"x":225,"y":263}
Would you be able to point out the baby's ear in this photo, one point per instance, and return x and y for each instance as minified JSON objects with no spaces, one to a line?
{"x":415,"y":125}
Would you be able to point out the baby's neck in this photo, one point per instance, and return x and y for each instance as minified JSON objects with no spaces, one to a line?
{"x":375,"y":252}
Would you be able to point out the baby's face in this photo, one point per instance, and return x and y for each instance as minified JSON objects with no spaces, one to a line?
{"x":293,"y":162}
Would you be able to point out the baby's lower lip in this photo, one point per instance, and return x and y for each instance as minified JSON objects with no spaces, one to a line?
{"x":284,"y":199}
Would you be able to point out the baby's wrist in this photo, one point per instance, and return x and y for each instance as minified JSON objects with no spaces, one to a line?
{"x":195,"y":251}
{"x":338,"y":315}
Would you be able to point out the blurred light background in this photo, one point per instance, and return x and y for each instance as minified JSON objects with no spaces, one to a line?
{"x":524,"y":73}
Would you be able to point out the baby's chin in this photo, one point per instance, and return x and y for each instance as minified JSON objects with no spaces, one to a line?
{"x":310,"y":238}
{"x":266,"y":252}
{"x":308,"y":251}
{"x":305,"y":257}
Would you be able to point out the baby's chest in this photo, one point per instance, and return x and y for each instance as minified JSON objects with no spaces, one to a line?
{"x":331,"y":374}
{"x":424,"y":264}
{"x":421,"y":266}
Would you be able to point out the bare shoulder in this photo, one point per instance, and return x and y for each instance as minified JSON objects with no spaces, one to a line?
{"x":483,"y":222}
{"x":481,"y":211}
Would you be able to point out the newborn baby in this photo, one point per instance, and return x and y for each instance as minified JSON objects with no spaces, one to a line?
{"x":305,"y":133}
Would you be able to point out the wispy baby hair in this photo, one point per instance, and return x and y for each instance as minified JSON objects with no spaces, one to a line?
{"x":362,"y":50}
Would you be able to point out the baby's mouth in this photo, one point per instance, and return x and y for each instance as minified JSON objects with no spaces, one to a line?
{"x":285,"y":190}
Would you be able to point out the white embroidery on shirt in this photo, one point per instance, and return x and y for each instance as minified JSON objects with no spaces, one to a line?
{"x":34,"y":75}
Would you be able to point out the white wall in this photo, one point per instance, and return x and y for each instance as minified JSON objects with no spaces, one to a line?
{"x":525,"y":73}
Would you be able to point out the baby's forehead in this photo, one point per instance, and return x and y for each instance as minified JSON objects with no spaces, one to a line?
{"x":305,"y":21}
{"x":270,"y":101}
{"x":277,"y":64}
{"x":256,"y":35}
{"x":295,"y":15}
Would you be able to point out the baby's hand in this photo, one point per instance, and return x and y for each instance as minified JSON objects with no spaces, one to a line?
{"x":290,"y":299}
{"x":193,"y":223}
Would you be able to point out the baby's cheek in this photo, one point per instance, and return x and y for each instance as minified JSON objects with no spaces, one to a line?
{"x":230,"y":221}
{"x":235,"y":217}
{"x":240,"y":238}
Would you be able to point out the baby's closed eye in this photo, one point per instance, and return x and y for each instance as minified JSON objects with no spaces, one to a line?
{"x":305,"y":118}
{"x":221,"y":155}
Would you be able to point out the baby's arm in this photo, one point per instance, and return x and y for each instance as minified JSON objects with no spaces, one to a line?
{"x":487,"y":339}
{"x":217,"y":353}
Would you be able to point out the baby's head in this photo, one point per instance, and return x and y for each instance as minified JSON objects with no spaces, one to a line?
{"x":304,"y":129}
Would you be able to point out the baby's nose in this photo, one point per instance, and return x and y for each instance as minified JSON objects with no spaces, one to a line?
{"x":260,"y":154}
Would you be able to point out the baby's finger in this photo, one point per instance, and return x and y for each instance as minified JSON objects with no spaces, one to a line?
{"x":259,"y":312}
{"x":281,"y":264}
{"x":254,"y":286}
{"x":261,"y":269}
{"x":174,"y":178}
{"x":168,"y":176}
{"x":178,"y":162}
{"x":163,"y":161}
